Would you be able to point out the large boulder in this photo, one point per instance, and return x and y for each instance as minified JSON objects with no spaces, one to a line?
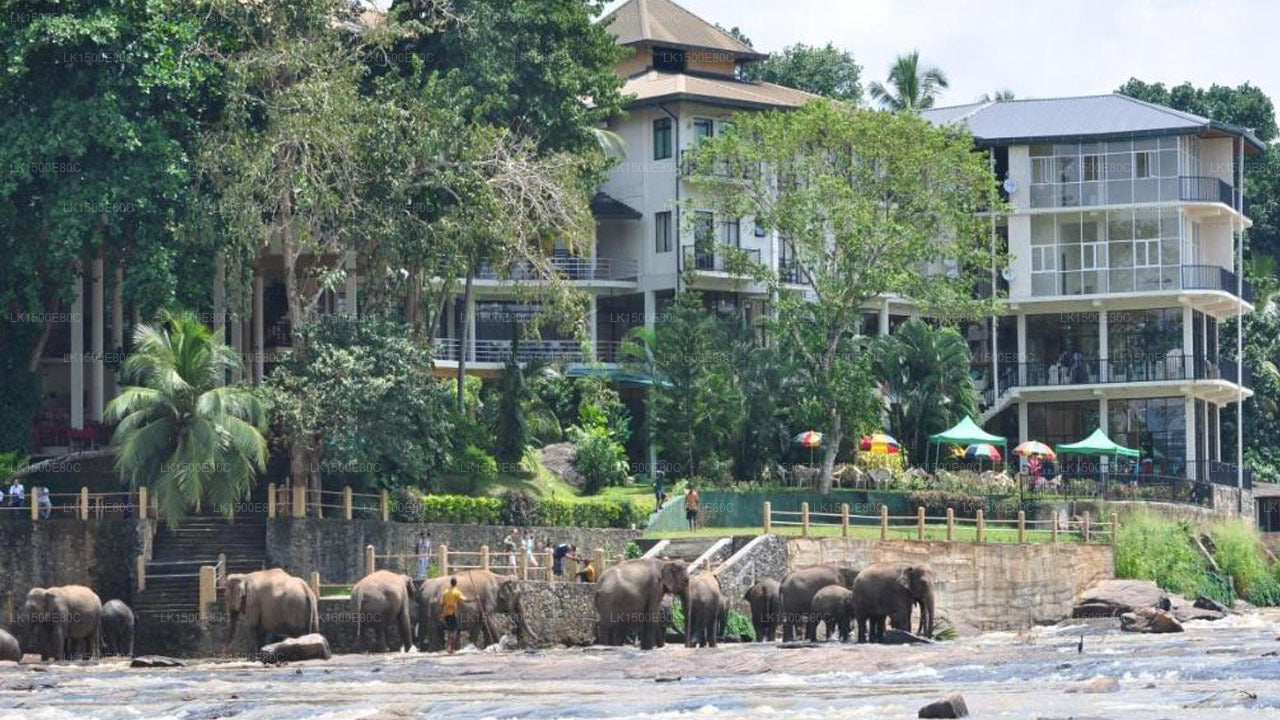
{"x":1185,"y":610}
{"x":1149,"y":620}
{"x":155,"y":661}
{"x":558,"y":459}
{"x":307,"y":647}
{"x":951,"y":707}
{"x":1111,"y":598}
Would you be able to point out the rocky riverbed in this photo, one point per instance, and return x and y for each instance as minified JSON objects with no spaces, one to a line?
{"x":1227,"y":668}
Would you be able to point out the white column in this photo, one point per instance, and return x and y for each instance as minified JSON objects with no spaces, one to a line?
{"x":1102,"y":423}
{"x":77,"y":354}
{"x":593,"y":327}
{"x":1204,"y":433}
{"x":117,"y":325}
{"x":1024,"y":432}
{"x":650,"y":320}
{"x":351,"y":284}
{"x":471,"y":327}
{"x":97,"y":365}
{"x":1188,"y":343}
{"x":1189,"y":424}
{"x":1104,"y":349}
{"x":1022,"y":349}
{"x":258,"y":339}
{"x":884,"y":318}
{"x":1217,"y":429}
{"x":650,"y":309}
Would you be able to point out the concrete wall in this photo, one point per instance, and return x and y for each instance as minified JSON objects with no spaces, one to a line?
{"x":989,"y":586}
{"x":97,"y":553}
{"x":335,"y":547}
{"x":765,"y":556}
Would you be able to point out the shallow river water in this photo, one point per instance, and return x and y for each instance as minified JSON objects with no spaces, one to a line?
{"x":1211,"y":671}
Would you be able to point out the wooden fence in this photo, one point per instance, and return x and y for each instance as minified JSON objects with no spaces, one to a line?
{"x":923,"y":527}
{"x":83,"y":505}
{"x":290,"y":501}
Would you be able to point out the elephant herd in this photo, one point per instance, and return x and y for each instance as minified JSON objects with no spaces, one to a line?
{"x":837,"y":597}
{"x":70,"y":621}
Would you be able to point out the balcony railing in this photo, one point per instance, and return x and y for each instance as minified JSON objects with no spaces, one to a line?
{"x":790,"y":273}
{"x":498,"y":351}
{"x":568,"y":267}
{"x":1205,"y":189}
{"x":1157,"y":278}
{"x":712,"y":258}
{"x":1092,"y":371}
{"x":1213,"y":277}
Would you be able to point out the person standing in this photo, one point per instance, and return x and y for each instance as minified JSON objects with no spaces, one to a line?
{"x":562,"y":551}
{"x":450,"y":600}
{"x":659,"y":493}
{"x":423,"y":550}
{"x":691,"y":504}
{"x":46,"y":503}
{"x":528,"y":550}
{"x":511,"y":544}
{"x":17,"y":493}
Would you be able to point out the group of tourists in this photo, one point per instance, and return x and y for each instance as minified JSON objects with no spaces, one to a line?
{"x":692,"y":504}
{"x":17,"y":498}
{"x":514,"y":544}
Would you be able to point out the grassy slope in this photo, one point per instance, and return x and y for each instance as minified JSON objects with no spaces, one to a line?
{"x":543,"y":484}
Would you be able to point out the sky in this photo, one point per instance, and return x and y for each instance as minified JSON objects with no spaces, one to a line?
{"x":1037,"y":48}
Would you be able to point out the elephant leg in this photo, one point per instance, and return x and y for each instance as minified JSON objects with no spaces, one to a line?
{"x":862,"y":628}
{"x":878,"y":629}
{"x":714,"y":633}
{"x":811,"y":631}
{"x":381,"y":634}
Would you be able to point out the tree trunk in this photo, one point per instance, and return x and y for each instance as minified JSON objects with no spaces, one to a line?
{"x":834,"y":438}
{"x":33,"y":360}
{"x":468,"y":310}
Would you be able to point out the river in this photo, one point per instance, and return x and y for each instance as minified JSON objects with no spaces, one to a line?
{"x":1210,"y":671}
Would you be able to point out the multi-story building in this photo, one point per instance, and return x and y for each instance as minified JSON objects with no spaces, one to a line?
{"x":1123,"y":239}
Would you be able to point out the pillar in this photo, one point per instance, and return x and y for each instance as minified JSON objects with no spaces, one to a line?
{"x":451,"y":319}
{"x":1022,"y":350}
{"x":1189,"y":425}
{"x":593,"y":327}
{"x":77,"y":354}
{"x":97,"y":365}
{"x":350,"y":291}
{"x":371,"y":559}
{"x":117,"y":325}
{"x":208,"y":590}
{"x":883,"y":318}
{"x":1104,"y":350}
{"x":1024,"y":432}
{"x":1188,"y":345}
{"x":258,"y":340}
{"x":650,"y":320}
{"x":1102,"y":423}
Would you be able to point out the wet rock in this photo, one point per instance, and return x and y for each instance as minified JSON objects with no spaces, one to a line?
{"x":1149,"y":620}
{"x":1205,"y":603}
{"x":951,"y":707}
{"x":307,"y":647}
{"x":156,"y":661}
{"x":1116,"y":597}
{"x":902,"y":637}
{"x":558,"y":459}
{"x":1186,"y":611}
{"x":1096,"y":686}
{"x":1224,"y":699}
{"x":9,"y":648}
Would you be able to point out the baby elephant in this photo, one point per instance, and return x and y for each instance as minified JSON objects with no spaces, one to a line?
{"x":833,"y":605}
{"x":117,"y":628}
{"x":9,"y":648}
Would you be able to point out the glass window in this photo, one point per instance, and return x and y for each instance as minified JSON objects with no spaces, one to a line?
{"x":662,"y":231}
{"x":1144,"y":164}
{"x":662,"y":139}
{"x":1042,"y":232}
{"x":702,"y":128}
{"x":703,"y":228}
{"x":730,"y":233}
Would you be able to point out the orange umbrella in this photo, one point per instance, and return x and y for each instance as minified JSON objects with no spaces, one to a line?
{"x":879,"y":443}
{"x":1033,"y":448}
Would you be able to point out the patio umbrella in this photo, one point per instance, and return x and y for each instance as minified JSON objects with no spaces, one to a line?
{"x":1035,"y":448}
{"x":808,"y":439}
{"x":982,"y":451}
{"x":880,"y":443}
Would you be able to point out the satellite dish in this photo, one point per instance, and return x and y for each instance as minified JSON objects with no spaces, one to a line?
{"x":1007,"y":274}
{"x":1010,"y":185}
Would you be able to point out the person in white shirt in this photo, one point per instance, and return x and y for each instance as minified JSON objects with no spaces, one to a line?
{"x":423,"y":550}
{"x":17,"y":493}
{"x":46,"y":503}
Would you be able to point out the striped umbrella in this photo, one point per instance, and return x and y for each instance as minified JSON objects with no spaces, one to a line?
{"x":1035,"y":448}
{"x":879,"y":443}
{"x":982,"y":451}
{"x":809,"y":439}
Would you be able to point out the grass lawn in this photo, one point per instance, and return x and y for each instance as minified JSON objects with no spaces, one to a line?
{"x":542,"y":483}
{"x":872,"y":532}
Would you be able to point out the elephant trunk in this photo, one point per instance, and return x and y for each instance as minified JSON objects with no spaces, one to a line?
{"x":522,"y":628}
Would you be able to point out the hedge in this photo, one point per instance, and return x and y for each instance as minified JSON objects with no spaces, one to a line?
{"x":522,"y":509}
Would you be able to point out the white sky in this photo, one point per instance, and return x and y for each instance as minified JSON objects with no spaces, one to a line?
{"x":1037,"y":48}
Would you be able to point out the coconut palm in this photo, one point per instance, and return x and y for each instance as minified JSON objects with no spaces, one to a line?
{"x":911,"y":87}
{"x":1001,"y":95}
{"x":181,"y":433}
{"x":924,"y":374}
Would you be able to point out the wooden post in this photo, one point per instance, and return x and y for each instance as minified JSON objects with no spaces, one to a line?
{"x":314,"y":582}
{"x":844,"y":519}
{"x":444,"y":560}
{"x":484,"y":557}
{"x":1022,"y":526}
{"x":298,"y":498}
{"x":384,"y":503}
{"x":140,"y":563}
{"x":222,"y":563}
{"x":1055,"y":527}
{"x":208,"y":590}
{"x":920,"y":522}
{"x":35,"y":502}
{"x":1084,"y":526}
{"x":551,"y":576}
{"x":951,"y":524}
{"x":768,"y":517}
{"x":84,"y":503}
{"x":884,"y":522}
{"x":271,"y":501}
{"x":370,"y":560}
{"x":804,"y":519}
{"x":522,"y":564}
{"x":982,"y":525}
{"x":597,"y":558}
{"x":346,"y":502}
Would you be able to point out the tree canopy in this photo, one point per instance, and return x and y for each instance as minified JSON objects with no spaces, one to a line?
{"x":828,"y":71}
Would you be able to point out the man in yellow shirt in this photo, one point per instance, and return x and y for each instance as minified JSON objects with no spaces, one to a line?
{"x":449,"y":602}
{"x":587,"y":574}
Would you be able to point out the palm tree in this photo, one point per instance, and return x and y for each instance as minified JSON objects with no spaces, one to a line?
{"x":924,"y":373}
{"x":1001,"y":95}
{"x":181,"y":433}
{"x":911,"y":87}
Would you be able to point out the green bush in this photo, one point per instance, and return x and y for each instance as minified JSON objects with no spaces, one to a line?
{"x":1237,"y":549}
{"x":600,"y":458}
{"x":587,"y":513}
{"x":739,"y":626}
{"x":1153,"y":547}
{"x":471,"y":468}
{"x":462,"y":509}
{"x":633,"y":550}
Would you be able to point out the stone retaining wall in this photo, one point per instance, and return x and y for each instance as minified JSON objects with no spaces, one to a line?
{"x":764,"y":556}
{"x":991,"y":586}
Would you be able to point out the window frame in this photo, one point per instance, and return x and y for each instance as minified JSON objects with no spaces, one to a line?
{"x":667,"y":144}
{"x":662,"y":236}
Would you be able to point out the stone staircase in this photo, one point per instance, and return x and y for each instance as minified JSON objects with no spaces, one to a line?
{"x":173,"y":573}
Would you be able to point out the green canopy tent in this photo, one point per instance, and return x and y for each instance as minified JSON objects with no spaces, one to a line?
{"x":1097,"y":445}
{"x":966,"y":432}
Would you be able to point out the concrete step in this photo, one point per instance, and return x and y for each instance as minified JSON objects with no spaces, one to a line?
{"x":688,"y":549}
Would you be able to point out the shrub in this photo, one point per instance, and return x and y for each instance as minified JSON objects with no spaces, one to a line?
{"x":588,"y":513}
{"x":600,"y":458}
{"x":451,"y":509}
{"x":738,"y":626}
{"x":520,"y":508}
{"x":1238,"y":551}
{"x":1152,"y":547}
{"x":471,"y":468}
{"x":632,"y":550}
{"x":936,"y":502}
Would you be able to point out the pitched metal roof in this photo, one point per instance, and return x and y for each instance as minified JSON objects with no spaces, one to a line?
{"x":655,"y":86}
{"x":1078,"y":118}
{"x":663,"y":22}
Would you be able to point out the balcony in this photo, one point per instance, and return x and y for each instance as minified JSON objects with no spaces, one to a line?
{"x":1192,"y":188}
{"x":727,"y":260}
{"x":1153,"y":278}
{"x":790,"y":273}
{"x":569,"y":267}
{"x":1174,"y":367}
{"x":1097,"y":192}
{"x":1212,"y":277}
{"x":496,"y":352}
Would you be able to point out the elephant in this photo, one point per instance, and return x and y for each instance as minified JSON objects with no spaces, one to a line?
{"x":385,"y":598}
{"x":271,"y":603}
{"x":64,"y":621}
{"x":117,"y":628}
{"x":704,"y":611}
{"x":10,"y":649}
{"x":797,"y":590}
{"x":834,"y":606}
{"x":890,"y":590}
{"x":629,"y":597}
{"x":765,"y":599}
{"x":488,"y":596}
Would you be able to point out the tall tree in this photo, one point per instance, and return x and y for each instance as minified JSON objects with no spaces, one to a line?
{"x":924,"y":374}
{"x":911,"y":86}
{"x":874,"y":204}
{"x":181,"y":433}
{"x":828,"y":71}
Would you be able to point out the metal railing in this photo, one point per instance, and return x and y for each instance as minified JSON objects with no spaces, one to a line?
{"x":1103,"y":280}
{"x":569,"y":267}
{"x":498,"y":351}
{"x":712,"y":258}
{"x":1092,"y":371}
{"x":1213,"y":277}
{"x":791,"y":273}
{"x":1193,"y":188}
